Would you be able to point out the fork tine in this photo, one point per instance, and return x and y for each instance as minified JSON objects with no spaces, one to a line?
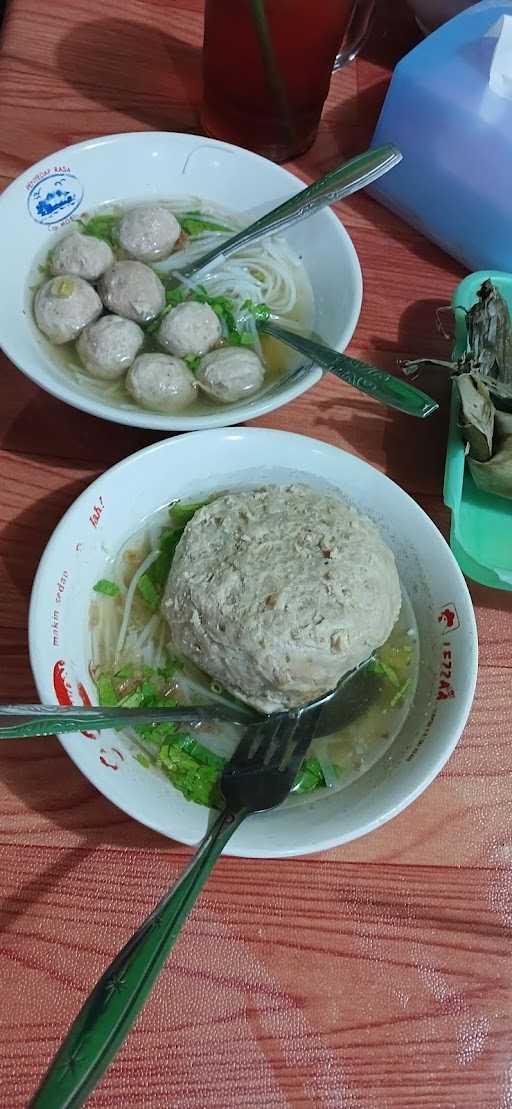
{"x":254,"y":742}
{"x":299,"y":741}
{"x":282,"y":741}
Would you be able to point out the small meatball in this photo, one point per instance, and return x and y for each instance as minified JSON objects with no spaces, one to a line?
{"x":149,"y":233}
{"x":190,"y":328}
{"x":65,"y":305}
{"x":231,"y":373}
{"x":109,"y":346}
{"x":82,"y":255}
{"x":162,"y":383}
{"x":132,"y":290}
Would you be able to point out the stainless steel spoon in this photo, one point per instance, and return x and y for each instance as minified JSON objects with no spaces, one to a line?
{"x":341,"y":182}
{"x":42,"y":720}
{"x":382,"y":386}
{"x":25,"y":721}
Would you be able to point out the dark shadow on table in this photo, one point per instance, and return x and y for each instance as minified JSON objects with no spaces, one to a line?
{"x":42,"y":425}
{"x":419,"y":336}
{"x":24,"y":538}
{"x":383,"y":435}
{"x":131,"y":67}
{"x":414,"y":450}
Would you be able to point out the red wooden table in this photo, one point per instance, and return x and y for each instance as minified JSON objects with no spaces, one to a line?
{"x":377,"y":976}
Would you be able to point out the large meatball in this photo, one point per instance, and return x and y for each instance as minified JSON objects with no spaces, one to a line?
{"x":190,"y":328}
{"x":82,"y":255}
{"x":149,"y":233}
{"x":161,"y":383}
{"x":231,"y":373}
{"x":65,"y":305}
{"x":109,"y":346}
{"x":278,"y":592}
{"x":132,"y":290}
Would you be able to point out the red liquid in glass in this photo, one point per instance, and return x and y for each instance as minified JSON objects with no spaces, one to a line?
{"x":242,"y":104}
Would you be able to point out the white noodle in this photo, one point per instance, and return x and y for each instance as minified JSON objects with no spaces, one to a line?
{"x":152,"y":556}
{"x":149,"y":629}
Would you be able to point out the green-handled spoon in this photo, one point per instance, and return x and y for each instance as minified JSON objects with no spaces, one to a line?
{"x":382,"y":386}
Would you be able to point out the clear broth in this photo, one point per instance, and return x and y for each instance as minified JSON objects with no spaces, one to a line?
{"x":279,"y":360}
{"x":350,"y":752}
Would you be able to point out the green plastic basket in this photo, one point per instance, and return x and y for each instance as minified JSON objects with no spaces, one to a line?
{"x":481,"y":525}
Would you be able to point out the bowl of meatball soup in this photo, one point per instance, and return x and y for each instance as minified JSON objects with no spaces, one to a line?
{"x":98,"y":310}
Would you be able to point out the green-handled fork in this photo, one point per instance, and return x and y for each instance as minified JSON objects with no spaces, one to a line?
{"x":258,"y":777}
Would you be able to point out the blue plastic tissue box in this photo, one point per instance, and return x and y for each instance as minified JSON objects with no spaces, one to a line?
{"x":455,"y":134}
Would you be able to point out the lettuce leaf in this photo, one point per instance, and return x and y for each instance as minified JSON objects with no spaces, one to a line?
{"x":197,"y":782}
{"x":107,"y":587}
{"x":151,"y":585}
{"x":100,"y":227}
{"x":194,"y":223}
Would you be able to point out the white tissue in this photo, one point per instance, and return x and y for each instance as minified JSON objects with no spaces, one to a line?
{"x":500,"y":75}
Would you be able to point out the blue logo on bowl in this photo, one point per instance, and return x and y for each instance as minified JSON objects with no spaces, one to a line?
{"x":55,"y":198}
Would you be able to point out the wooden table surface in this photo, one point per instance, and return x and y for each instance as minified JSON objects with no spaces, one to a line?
{"x":376,"y":976}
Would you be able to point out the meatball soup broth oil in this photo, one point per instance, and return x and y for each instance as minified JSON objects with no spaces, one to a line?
{"x":95,"y":309}
{"x":424,"y":722}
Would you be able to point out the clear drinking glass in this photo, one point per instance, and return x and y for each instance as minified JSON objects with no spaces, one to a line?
{"x":267,"y":65}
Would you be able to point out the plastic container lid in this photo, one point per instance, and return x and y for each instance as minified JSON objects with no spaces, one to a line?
{"x":481,"y":525}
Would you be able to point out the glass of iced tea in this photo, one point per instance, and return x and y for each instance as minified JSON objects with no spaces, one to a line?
{"x":267,"y":65}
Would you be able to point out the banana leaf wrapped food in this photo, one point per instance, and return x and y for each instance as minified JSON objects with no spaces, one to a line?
{"x":483,"y":377}
{"x":488,"y":435}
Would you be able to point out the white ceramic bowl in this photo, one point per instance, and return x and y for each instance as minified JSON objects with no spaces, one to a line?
{"x":103,"y":518}
{"x":149,"y":166}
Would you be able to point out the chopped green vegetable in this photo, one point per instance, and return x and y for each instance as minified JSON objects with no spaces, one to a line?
{"x":158,"y":734}
{"x":194,"y":223}
{"x":100,"y":227}
{"x":171,"y":665}
{"x":198,"y":751}
{"x":148,"y":592}
{"x":400,"y":694}
{"x":125,"y":671}
{"x":107,"y":695}
{"x":193,"y":361}
{"x":398,"y":657}
{"x":221,"y":305}
{"x":310,"y":777}
{"x":224,"y":309}
{"x":176,"y":296}
{"x":380,"y":667}
{"x":260,"y":312}
{"x":199,"y":783}
{"x":181,"y":512}
{"x":151,"y":585}
{"x":133,"y":700}
{"x":190,"y":766}
{"x":107,"y":587}
{"x":172,"y":298}
{"x":159,"y":569}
